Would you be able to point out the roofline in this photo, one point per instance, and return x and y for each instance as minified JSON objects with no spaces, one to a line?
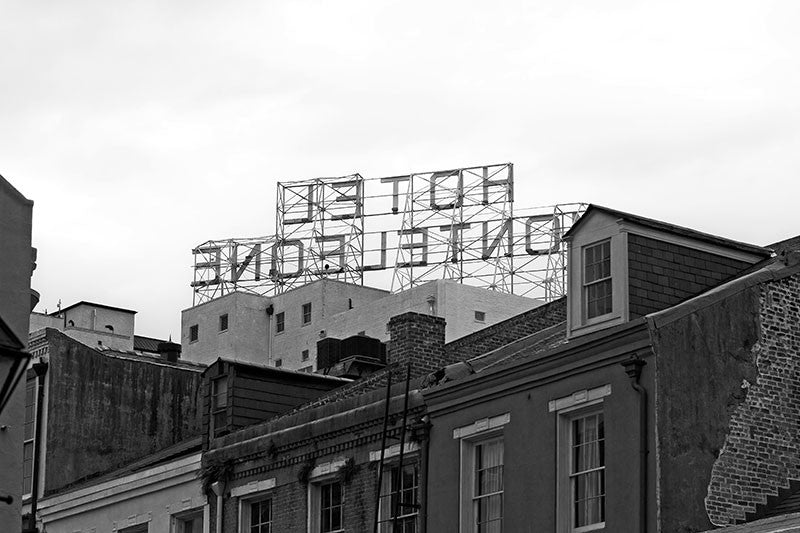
{"x":102,"y":306}
{"x":14,"y":192}
{"x":672,"y":228}
{"x":507,"y":376}
{"x":285,"y":371}
{"x":773,"y":270}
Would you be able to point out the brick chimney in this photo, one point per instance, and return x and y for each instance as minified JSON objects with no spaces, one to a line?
{"x":418,"y":339}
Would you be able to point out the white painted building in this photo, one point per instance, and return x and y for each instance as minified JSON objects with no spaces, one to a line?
{"x":160,"y":494}
{"x":283,"y":330}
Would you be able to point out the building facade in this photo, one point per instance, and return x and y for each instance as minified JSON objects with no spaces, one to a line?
{"x":283,"y":330}
{"x":16,"y":301}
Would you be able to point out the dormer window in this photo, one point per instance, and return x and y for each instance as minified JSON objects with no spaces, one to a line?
{"x":597,"y":295}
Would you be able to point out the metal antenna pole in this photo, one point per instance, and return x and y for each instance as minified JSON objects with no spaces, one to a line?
{"x":383,"y":450}
{"x":402,"y":447}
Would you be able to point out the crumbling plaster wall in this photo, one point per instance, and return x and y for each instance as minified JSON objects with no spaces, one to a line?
{"x":702,"y":359}
{"x":762,"y":448}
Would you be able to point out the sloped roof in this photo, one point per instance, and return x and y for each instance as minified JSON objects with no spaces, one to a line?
{"x":146,"y":344}
{"x":670,"y":228}
{"x":92,"y":304}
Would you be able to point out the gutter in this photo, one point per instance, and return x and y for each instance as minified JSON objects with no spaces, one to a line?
{"x":633,"y":367}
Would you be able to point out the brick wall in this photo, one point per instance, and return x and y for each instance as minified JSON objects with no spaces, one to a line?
{"x":507,"y":331}
{"x":417,"y":339}
{"x":661,"y":274}
{"x":292,"y":445}
{"x":762,"y":449}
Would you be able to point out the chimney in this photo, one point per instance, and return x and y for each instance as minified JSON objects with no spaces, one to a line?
{"x":169,"y":351}
{"x":418,"y":339}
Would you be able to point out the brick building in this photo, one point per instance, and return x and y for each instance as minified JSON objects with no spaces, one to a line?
{"x":658,"y":395}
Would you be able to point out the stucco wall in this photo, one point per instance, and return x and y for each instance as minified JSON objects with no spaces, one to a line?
{"x":104,"y":411}
{"x":16,"y":261}
{"x":702,"y":361}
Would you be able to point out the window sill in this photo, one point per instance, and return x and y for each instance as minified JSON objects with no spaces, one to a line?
{"x":592,"y":527}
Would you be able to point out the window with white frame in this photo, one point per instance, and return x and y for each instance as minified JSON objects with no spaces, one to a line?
{"x":188,"y":522}
{"x":327,"y":506}
{"x":581,"y":460}
{"x":306,"y":313}
{"x":597,"y":280}
{"x":482,"y":484}
{"x":587,"y":470}
{"x":256,"y":515}
{"x":280,"y":322}
{"x":399,"y":502}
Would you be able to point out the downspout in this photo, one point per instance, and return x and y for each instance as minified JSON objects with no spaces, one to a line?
{"x":40,"y":368}
{"x":219,"y":489}
{"x":633,"y":367}
{"x":423,"y":482}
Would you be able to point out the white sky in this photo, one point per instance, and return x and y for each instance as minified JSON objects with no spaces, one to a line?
{"x":141,"y":129}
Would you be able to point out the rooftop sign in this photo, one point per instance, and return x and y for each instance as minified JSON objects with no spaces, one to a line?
{"x":397,"y":232}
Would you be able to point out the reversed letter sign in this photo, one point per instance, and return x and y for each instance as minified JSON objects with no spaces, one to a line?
{"x":458,"y":190}
{"x":336,"y":252}
{"x":411,"y":246}
{"x":455,"y":239}
{"x":237,"y":269}
{"x":353,"y":190}
{"x":555,"y":233}
{"x":278,"y":256}
{"x":309,"y":200}
{"x":504,"y":229}
{"x":395,"y":181}
{"x":213,"y":262}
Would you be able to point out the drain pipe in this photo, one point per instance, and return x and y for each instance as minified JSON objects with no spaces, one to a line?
{"x":633,"y":367}
{"x":40,"y":368}
{"x":219,"y":488}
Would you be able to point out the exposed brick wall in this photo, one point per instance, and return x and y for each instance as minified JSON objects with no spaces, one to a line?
{"x":507,"y":331}
{"x":283,"y":454}
{"x":417,"y":339}
{"x":661,"y":274}
{"x":762,"y":450}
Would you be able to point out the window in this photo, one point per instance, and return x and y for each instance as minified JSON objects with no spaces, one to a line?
{"x":223,"y":322}
{"x":480,"y":316}
{"x":487,"y":487}
{"x":110,"y":328}
{"x":597,"y":279}
{"x":304,"y":355}
{"x":587,"y":471}
{"x":400,"y":493}
{"x":306,"y":369}
{"x":219,"y":403}
{"x":191,"y":522}
{"x":331,"y":504}
{"x":193,"y":333}
{"x":307,"y":313}
{"x":29,"y":430}
{"x":280,"y":322}
{"x":279,"y":362}
{"x":257,"y":516}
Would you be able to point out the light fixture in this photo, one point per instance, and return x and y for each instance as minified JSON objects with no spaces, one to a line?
{"x":13,"y":362}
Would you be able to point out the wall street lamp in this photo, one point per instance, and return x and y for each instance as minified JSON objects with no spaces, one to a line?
{"x":13,"y":362}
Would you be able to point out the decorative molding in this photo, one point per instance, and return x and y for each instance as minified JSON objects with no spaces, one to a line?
{"x":484,"y":424}
{"x":579,"y":397}
{"x":393,"y":451}
{"x":253,"y":487}
{"x":325,"y":469}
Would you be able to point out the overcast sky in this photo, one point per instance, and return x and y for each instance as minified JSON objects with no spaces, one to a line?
{"x":141,"y":129}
